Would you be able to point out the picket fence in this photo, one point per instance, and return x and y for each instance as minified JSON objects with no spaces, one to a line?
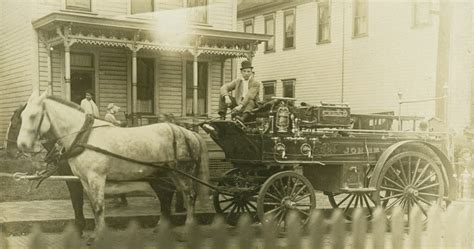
{"x":445,"y":229}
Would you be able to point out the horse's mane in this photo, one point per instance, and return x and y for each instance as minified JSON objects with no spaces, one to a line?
{"x":66,"y":102}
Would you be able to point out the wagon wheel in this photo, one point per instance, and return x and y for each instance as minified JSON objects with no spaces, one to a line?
{"x":349,"y":201}
{"x":233,"y":206}
{"x":410,"y":179}
{"x":284,"y":192}
{"x":352,"y":199}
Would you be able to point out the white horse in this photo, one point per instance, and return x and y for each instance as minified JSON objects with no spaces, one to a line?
{"x":114,"y":153}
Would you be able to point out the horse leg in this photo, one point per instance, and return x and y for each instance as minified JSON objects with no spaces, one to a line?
{"x":191,"y":201}
{"x":96,"y":190}
{"x":165,"y":195}
{"x":76,"y":193}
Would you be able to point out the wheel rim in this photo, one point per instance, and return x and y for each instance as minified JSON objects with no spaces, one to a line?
{"x":348,"y":202}
{"x":283,"y":193}
{"x":410,"y":179}
{"x":233,"y":206}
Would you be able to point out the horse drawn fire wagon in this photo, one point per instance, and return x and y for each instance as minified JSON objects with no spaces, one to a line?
{"x":288,"y":152}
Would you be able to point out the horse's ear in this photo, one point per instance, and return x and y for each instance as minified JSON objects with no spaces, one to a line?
{"x":43,"y":95}
{"x":33,"y":95}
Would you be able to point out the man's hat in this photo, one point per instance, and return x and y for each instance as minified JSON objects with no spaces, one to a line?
{"x":245,"y":64}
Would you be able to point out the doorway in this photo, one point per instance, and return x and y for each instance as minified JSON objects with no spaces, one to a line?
{"x":81,"y":82}
{"x":82,"y":76}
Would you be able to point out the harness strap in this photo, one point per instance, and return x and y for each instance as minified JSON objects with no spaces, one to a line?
{"x":82,"y":137}
{"x":160,"y":165}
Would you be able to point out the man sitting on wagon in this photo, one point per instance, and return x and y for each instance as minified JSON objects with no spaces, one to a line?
{"x":246,"y":93}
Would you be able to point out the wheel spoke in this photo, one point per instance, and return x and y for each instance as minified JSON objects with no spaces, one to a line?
{"x":293,"y":188}
{"x":367,"y":203}
{"x":226,"y":200}
{"x":349,"y":205}
{"x":274,"y":210}
{"x":232,"y":211}
{"x":429,"y":186}
{"x":403,"y":172}
{"x":416,"y":170}
{"x":252,"y":205}
{"x":391,"y":197}
{"x":303,"y":205}
{"x":356,"y":200}
{"x":248,"y":209}
{"x":429,"y":194}
{"x":421,"y":174}
{"x":424,"y":180}
{"x":303,"y":212}
{"x":301,"y":197}
{"x":395,"y":173}
{"x":394,"y":182}
{"x":299,"y":190}
{"x":277,"y":191}
{"x":271,"y":195}
{"x":391,"y":205}
{"x":343,"y":200}
{"x":391,"y":189}
{"x":228,"y":206}
{"x":409,"y":170}
{"x":288,"y":184}
{"x":422,"y":209}
{"x":424,"y":200}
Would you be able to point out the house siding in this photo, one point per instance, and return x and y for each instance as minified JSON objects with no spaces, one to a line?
{"x":365,"y":72}
{"x":112,"y":79}
{"x":17,"y":46}
{"x":170,"y":83}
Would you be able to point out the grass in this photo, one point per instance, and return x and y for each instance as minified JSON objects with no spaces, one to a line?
{"x":11,"y":190}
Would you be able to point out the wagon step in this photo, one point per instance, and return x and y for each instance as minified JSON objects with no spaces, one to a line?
{"x":358,"y":190}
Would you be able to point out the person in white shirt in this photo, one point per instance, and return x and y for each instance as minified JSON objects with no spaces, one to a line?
{"x":110,"y":115}
{"x":89,"y":105}
{"x":246,"y":93}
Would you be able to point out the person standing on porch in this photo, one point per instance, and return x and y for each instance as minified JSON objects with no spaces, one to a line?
{"x":246,"y":93}
{"x":89,"y":105}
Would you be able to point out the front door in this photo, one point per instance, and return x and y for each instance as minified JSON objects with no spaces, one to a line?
{"x":81,"y":82}
{"x":82,"y":76}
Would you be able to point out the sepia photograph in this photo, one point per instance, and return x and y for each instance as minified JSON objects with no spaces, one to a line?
{"x":251,"y":124}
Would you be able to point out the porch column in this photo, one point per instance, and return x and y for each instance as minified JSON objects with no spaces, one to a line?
{"x":134,"y":81}
{"x":67,"y":71}
{"x":195,"y":84}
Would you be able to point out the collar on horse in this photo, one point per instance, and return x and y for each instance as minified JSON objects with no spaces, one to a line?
{"x":81,"y":138}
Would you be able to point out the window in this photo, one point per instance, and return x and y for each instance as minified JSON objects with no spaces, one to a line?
{"x":82,"y":60}
{"x":198,"y":11}
{"x":324,"y":21}
{"x":202,"y":88}
{"x":270,"y":30}
{"x":421,"y":13}
{"x":82,"y":5}
{"x":289,"y":28}
{"x":360,"y":18}
{"x":268,"y":90}
{"x":289,"y":88}
{"x":145,"y":85}
{"x":248,"y":26}
{"x":142,"y":6}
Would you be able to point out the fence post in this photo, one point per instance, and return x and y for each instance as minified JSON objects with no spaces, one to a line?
{"x":359,"y":229}
{"x":293,"y":231}
{"x":37,"y":239}
{"x":246,"y":235}
{"x":338,"y":231}
{"x":433,"y":231}
{"x":378,"y":228}
{"x":416,"y":228}
{"x":3,"y":240}
{"x":317,"y":229}
{"x":221,"y":238}
{"x":70,"y":237}
{"x":166,"y":239}
{"x":397,"y":228}
{"x":135,"y":239}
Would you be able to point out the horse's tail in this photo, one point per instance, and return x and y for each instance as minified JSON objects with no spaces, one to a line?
{"x":202,"y":168}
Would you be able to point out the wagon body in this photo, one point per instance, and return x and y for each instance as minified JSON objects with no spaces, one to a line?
{"x":368,"y":166}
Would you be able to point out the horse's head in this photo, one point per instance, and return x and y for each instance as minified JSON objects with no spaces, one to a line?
{"x":34,"y":122}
